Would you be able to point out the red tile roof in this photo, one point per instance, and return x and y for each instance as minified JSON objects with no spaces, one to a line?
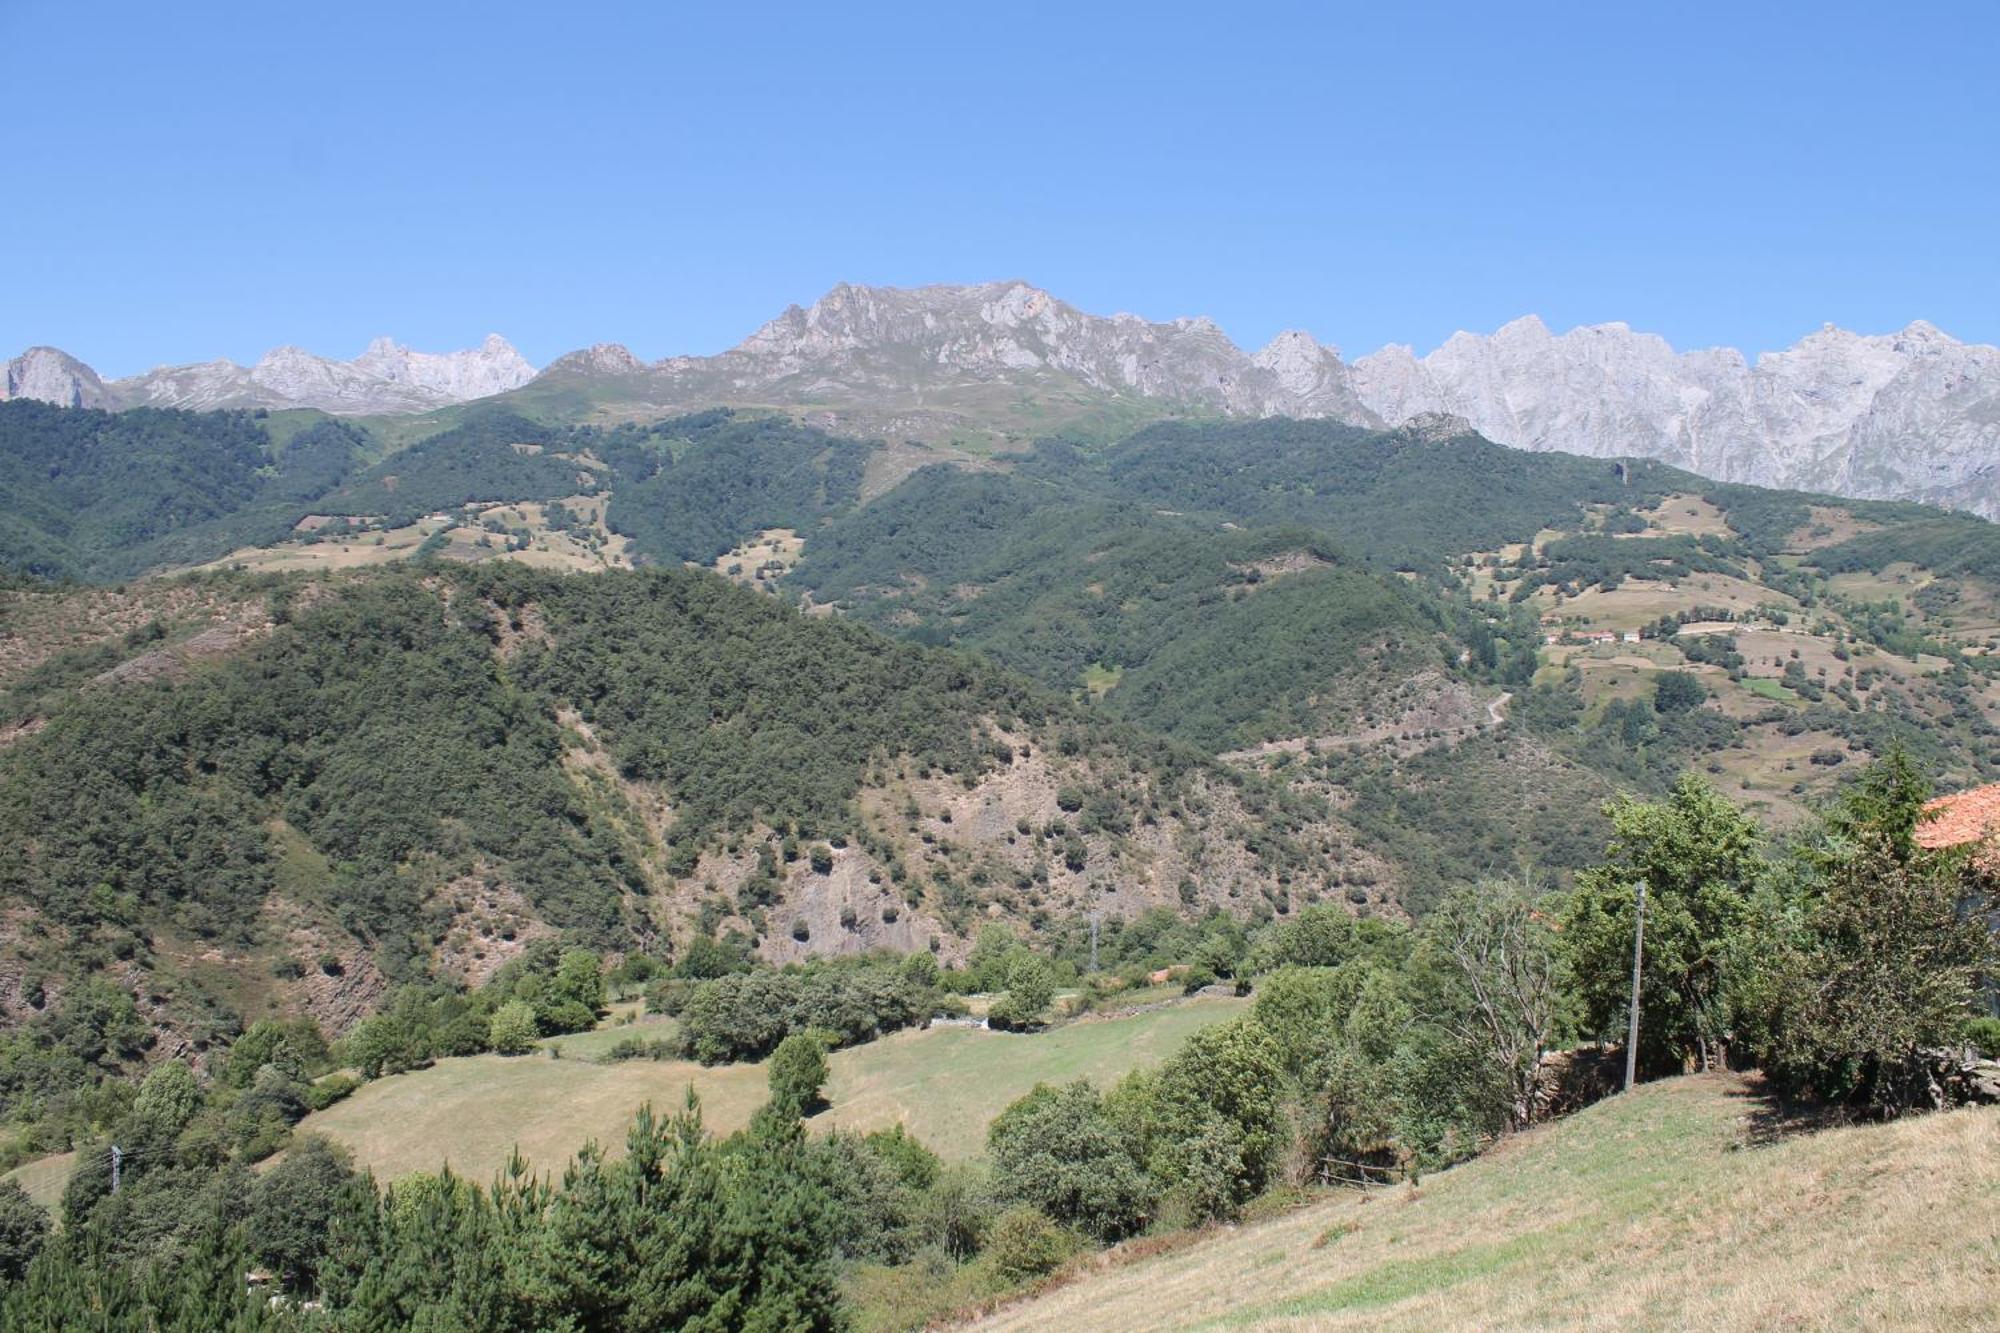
{"x":1969,"y":816}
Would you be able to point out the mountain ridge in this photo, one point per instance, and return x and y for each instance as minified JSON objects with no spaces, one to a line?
{"x":386,"y":378}
{"x":1913,"y":414}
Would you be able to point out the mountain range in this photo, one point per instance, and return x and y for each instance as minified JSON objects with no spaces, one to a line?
{"x":1909,"y":415}
{"x":385,"y":378}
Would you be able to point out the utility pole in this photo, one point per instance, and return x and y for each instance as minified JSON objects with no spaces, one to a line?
{"x":117,"y":1161}
{"x":1638,"y":956}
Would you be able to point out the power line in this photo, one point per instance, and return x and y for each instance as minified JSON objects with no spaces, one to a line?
{"x":1638,"y":955}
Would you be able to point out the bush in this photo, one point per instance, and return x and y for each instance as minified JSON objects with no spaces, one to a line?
{"x":1209,"y":1120}
{"x":512,"y":1030}
{"x":1030,"y":989}
{"x":329,"y":1090}
{"x":1057,"y":1150}
{"x":1677,"y":691}
{"x":293,"y":1205}
{"x":1984,"y":1035}
{"x":638,"y":1048}
{"x":567,"y":1016}
{"x":23,"y":1228}
{"x":798,"y":1073}
{"x":956,"y":1212}
{"x":745,"y":1016}
{"x":1025,"y":1245}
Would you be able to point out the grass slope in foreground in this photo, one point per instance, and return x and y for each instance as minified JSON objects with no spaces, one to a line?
{"x":945,"y":1084}
{"x":1669,"y":1207}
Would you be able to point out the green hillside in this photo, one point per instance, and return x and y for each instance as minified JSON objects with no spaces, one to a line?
{"x":942,"y":1084}
{"x":1216,"y":636}
{"x":1684,"y":1204}
{"x":1361,"y":614}
{"x":368,"y":774}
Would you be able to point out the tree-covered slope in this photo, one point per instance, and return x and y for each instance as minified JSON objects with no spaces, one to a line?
{"x":1217,"y":636}
{"x":1403,"y":498}
{"x":92,"y":494}
{"x":417,"y":771}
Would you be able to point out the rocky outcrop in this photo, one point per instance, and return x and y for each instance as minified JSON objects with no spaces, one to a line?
{"x":52,"y":376}
{"x":1909,"y":415}
{"x":878,"y":346}
{"x":598,"y":359}
{"x":387,"y":377}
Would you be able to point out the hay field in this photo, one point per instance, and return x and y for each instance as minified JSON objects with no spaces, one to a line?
{"x":1682,"y":1205}
{"x":943,"y":1083}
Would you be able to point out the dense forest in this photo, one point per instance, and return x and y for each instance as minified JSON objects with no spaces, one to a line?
{"x":1400,"y":499}
{"x":1217,"y":636}
{"x":389,"y":736}
{"x":95,"y":494}
{"x":1844,"y":962}
{"x":100,"y":495}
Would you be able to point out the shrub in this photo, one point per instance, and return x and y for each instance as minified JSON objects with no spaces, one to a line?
{"x":329,"y":1090}
{"x":567,"y":1016}
{"x":1984,"y":1035}
{"x":798,"y":1073}
{"x":23,"y":1227}
{"x":1678,"y":691}
{"x":1209,"y":1119}
{"x":293,"y":1206}
{"x":1057,"y":1150}
{"x":745,"y":1016}
{"x":512,"y":1030}
{"x":1025,"y":1245}
{"x":956,"y":1212}
{"x":1030,"y":989}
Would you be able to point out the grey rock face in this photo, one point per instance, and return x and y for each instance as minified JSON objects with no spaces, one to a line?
{"x":385,"y":378}
{"x":600,"y":359}
{"x":52,"y":376}
{"x":1909,"y":415}
{"x":860,"y":345}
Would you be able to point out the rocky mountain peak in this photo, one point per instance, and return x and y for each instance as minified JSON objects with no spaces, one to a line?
{"x":51,"y":375}
{"x":597,"y":359}
{"x":386,"y":377}
{"x":1913,"y":415}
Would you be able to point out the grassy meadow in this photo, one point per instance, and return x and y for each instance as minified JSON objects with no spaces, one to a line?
{"x":943,"y":1083}
{"x":1685,"y":1204}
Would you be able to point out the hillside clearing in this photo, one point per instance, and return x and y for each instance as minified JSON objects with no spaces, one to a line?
{"x":1677,"y":1206}
{"x":945,"y":1084}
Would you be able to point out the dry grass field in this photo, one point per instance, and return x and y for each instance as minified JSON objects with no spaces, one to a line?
{"x":591,"y":547}
{"x":45,"y":1178}
{"x":763,"y":560}
{"x":1684,"y":515}
{"x":1682,"y":1205}
{"x":945,"y":1084}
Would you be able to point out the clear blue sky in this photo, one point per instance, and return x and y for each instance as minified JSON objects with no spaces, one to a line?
{"x":186,"y":181}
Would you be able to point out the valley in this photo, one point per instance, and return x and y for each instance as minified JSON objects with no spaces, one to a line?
{"x":387,"y":749}
{"x":820,"y":786}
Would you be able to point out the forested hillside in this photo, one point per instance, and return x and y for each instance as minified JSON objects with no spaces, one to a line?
{"x":1460,"y":645}
{"x":101,"y":495}
{"x":1218,"y":637}
{"x":386,"y":775}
